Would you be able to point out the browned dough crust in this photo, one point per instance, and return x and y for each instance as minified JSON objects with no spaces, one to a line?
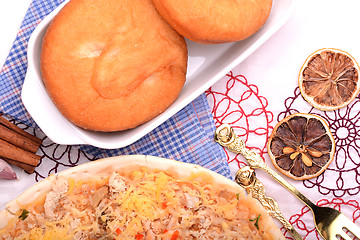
{"x":112,"y":65}
{"x":214,"y":21}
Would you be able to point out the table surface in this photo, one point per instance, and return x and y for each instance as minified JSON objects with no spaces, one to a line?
{"x":269,"y":77}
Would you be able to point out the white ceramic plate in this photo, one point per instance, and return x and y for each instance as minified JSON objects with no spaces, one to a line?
{"x":206,"y":65}
{"x":104,"y":168}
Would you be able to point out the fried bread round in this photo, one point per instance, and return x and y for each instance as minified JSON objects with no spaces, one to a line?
{"x":112,"y":65}
{"x":213,"y":21}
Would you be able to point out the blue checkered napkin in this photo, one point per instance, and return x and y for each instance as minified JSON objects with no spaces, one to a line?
{"x":187,"y":136}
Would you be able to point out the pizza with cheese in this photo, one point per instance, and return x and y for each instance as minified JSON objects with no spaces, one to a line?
{"x":141,"y":202}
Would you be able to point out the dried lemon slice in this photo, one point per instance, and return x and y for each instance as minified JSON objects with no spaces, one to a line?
{"x":301,"y":146}
{"x":328,"y":80}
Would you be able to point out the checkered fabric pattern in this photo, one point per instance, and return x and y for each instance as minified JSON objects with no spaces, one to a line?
{"x":187,"y":136}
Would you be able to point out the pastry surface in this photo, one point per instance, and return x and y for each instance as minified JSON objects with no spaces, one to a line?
{"x":112,"y":65}
{"x":214,"y":21}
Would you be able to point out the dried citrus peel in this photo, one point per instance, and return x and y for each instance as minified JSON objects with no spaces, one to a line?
{"x":328,"y":79}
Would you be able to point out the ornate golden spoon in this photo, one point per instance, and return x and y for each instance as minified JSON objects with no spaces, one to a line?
{"x":329,"y":222}
{"x":246,"y":178}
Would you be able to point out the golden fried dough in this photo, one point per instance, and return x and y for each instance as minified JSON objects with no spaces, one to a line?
{"x":112,"y":65}
{"x":215,"y":21}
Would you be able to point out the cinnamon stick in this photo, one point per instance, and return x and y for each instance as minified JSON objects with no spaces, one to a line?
{"x":18,"y":147}
{"x":14,"y":153}
{"x":20,"y":131}
{"x":26,"y":167}
{"x":18,"y":139}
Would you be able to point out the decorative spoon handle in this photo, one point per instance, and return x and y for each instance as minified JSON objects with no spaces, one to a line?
{"x":246,"y":178}
{"x":226,"y":137}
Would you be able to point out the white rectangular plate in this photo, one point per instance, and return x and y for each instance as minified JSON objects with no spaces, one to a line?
{"x":206,"y":65}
